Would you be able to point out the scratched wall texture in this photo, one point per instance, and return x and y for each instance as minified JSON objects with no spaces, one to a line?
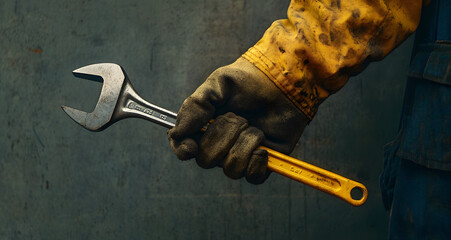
{"x":59,"y":181}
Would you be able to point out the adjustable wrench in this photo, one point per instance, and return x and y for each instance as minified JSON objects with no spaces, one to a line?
{"x":118,"y":100}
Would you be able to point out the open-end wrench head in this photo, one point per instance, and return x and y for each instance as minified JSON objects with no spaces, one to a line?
{"x":113,"y":78}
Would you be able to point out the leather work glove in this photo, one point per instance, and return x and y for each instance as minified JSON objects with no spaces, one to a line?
{"x":249,"y":111}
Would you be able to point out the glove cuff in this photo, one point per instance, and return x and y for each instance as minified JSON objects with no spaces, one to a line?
{"x":304,"y":94}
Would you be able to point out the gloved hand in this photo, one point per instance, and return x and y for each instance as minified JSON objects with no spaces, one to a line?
{"x":249,"y":111}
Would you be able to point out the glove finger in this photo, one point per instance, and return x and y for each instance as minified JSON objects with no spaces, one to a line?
{"x":185,"y":149}
{"x":237,"y":160}
{"x":257,"y":170}
{"x":219,"y":138}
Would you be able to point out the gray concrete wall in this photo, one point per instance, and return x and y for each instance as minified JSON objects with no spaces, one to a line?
{"x":59,"y":181}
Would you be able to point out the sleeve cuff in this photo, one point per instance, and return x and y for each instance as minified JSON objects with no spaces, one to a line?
{"x":304,"y":95}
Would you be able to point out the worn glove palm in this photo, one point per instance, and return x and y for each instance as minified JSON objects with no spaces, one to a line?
{"x":249,"y":111}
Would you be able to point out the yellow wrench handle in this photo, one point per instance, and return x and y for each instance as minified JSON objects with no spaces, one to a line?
{"x":314,"y":176}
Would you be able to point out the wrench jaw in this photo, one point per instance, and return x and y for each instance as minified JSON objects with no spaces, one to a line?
{"x":87,"y":120}
{"x":76,"y":115}
{"x":118,"y":100}
{"x":113,"y":78}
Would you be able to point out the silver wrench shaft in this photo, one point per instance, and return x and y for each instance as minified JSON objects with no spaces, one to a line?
{"x":132,"y":105}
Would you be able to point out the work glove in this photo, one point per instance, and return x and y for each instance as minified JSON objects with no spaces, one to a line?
{"x":249,"y":111}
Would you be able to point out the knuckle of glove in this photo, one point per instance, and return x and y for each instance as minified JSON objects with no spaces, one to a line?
{"x":220,"y":136}
{"x":236,"y":162}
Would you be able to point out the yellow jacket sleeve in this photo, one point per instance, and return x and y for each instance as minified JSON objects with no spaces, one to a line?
{"x":312,"y":54}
